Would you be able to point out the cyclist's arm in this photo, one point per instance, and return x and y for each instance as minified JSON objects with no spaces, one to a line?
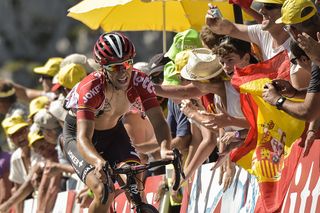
{"x":85,"y":129}
{"x":160,"y":126}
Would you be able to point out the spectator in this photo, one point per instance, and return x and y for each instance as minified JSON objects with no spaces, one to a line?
{"x":37,"y":104}
{"x":269,"y":36}
{"x":22,"y":158}
{"x":302,"y":21}
{"x":8,"y":101}
{"x":5,"y":183}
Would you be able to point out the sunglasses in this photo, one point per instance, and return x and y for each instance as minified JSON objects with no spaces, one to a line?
{"x":272,"y":6}
{"x":119,"y":66}
{"x":293,"y":61}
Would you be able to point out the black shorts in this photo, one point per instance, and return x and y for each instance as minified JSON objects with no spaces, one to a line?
{"x":113,"y":145}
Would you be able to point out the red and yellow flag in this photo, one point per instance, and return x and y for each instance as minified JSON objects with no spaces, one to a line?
{"x":272,"y":131}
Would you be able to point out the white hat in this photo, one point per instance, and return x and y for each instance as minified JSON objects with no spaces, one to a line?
{"x":81,"y":59}
{"x":46,"y":120}
{"x":202,"y":65}
{"x":57,"y":110}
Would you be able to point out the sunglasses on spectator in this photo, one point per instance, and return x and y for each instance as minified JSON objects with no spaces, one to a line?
{"x":294,"y":61}
{"x":271,"y":6}
{"x":118,"y":66}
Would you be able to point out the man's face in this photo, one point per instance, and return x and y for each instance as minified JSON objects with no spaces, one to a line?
{"x":3,"y":108}
{"x":230,"y":60}
{"x":44,"y":148}
{"x":20,"y":137}
{"x":46,"y":82}
{"x":120,"y":74}
{"x":50,"y":135}
{"x":270,"y":13}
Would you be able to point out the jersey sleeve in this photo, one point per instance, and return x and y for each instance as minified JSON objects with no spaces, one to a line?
{"x":145,"y":89}
{"x":91,"y":95}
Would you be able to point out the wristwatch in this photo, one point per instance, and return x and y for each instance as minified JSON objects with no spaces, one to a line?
{"x":237,"y":134}
{"x":280,"y":102}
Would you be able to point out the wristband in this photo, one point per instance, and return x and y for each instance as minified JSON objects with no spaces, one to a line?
{"x":280,"y":102}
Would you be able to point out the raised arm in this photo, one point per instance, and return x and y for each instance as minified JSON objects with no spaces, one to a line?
{"x":225,"y":27}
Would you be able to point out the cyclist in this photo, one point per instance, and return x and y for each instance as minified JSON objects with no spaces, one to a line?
{"x":93,"y":130}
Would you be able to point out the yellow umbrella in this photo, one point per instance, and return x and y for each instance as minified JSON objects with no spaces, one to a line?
{"x":135,"y":15}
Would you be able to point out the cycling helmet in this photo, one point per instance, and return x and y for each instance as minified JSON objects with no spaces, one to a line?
{"x":113,"y":48}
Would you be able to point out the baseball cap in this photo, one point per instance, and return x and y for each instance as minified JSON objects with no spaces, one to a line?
{"x":295,"y":11}
{"x":157,"y":63}
{"x":13,"y":123}
{"x":270,"y":1}
{"x":46,"y":120}
{"x":172,"y":69}
{"x":188,"y":39}
{"x":51,"y":67}
{"x":36,"y":104}
{"x":34,"y":134}
{"x":69,"y":75}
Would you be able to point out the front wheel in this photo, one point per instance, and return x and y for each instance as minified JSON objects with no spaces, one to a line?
{"x":146,"y":208}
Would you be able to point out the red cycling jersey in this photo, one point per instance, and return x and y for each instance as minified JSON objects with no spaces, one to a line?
{"x":88,"y":98}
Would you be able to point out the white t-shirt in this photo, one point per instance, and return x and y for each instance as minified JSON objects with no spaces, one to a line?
{"x":18,"y":172}
{"x":233,"y":104}
{"x":264,"y":40}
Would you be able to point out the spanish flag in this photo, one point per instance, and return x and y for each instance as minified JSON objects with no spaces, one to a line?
{"x":272,"y":131}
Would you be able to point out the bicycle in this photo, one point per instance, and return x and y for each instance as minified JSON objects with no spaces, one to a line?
{"x":131,"y":186}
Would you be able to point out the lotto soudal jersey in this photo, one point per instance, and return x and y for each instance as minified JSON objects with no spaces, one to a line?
{"x":88,"y":98}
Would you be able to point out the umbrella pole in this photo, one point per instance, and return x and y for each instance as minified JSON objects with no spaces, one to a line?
{"x":164,"y":36}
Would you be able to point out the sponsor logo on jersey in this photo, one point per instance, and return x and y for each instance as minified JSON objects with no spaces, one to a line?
{"x":145,"y":80}
{"x":74,"y":159}
{"x":94,"y":91}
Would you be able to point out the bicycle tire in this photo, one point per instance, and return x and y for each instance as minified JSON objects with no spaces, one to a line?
{"x":146,"y":208}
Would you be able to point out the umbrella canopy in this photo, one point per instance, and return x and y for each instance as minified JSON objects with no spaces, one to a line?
{"x":136,"y":15}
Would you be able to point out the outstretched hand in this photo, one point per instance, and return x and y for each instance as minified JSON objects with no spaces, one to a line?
{"x":214,"y":121}
{"x":307,"y":143}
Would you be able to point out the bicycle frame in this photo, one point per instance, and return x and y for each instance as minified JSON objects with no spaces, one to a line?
{"x":131,"y":170}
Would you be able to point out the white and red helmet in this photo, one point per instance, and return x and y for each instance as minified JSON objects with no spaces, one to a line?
{"x":113,"y":48}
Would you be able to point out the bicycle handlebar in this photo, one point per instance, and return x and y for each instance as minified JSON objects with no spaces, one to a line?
{"x":128,"y":169}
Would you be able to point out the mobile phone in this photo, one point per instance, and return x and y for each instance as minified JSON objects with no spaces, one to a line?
{"x":215,"y":12}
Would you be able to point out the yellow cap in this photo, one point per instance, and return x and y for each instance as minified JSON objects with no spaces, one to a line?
{"x":50,"y":68}
{"x":291,"y":11}
{"x":70,"y":75}
{"x":37,"y":104}
{"x":270,"y":1}
{"x":13,"y":123}
{"x":181,"y":60}
{"x":34,"y":136}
